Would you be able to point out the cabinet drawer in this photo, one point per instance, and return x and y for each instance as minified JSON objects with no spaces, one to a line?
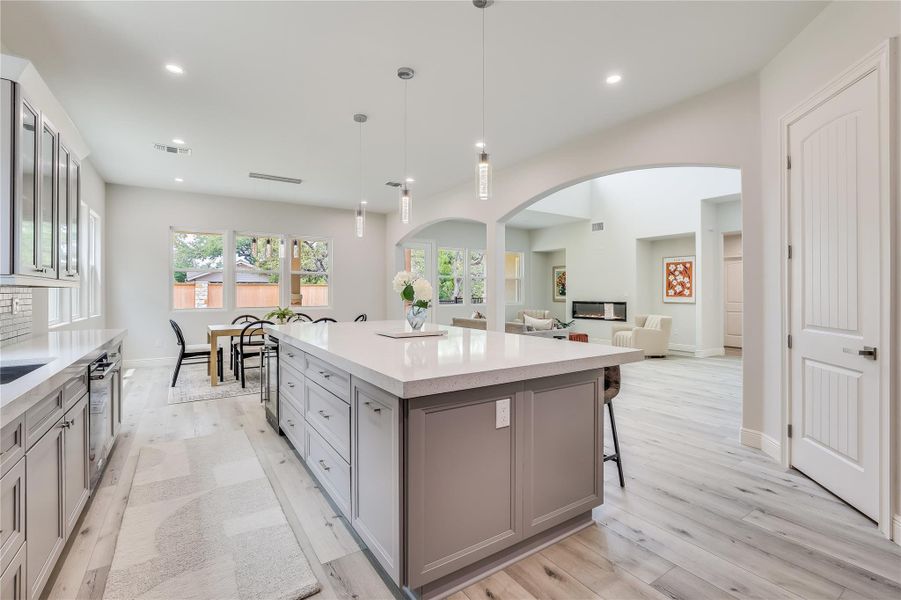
{"x":292,"y":425}
{"x":42,"y":416}
{"x":289,"y":355}
{"x":330,"y":417}
{"x":74,"y":389}
{"x":331,"y":378}
{"x":330,"y":469}
{"x":12,"y":513}
{"x":291,"y":384}
{"x":12,"y":443}
{"x":12,"y":581}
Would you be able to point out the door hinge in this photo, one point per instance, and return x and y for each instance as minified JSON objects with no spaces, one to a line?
{"x":789,"y":252}
{"x":788,"y":162}
{"x":789,"y":340}
{"x":789,"y":430}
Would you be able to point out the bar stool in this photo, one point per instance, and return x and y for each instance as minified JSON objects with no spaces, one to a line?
{"x":611,"y":390}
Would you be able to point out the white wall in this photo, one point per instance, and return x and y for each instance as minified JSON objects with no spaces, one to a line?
{"x":138,"y":287}
{"x":542,"y":286}
{"x":841,"y":35}
{"x":649,"y":288}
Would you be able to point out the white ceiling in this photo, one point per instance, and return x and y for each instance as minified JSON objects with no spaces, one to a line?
{"x":272,"y":87}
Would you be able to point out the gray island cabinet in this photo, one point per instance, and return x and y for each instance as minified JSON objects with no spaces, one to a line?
{"x":449,"y":456}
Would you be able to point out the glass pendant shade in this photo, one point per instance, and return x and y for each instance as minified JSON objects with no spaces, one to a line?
{"x":268,"y":248}
{"x":360,"y":221}
{"x":253,"y":246}
{"x":406,"y":206}
{"x":483,"y":177}
{"x":296,"y":250}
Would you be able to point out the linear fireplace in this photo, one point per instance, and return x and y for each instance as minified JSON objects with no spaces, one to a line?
{"x":599,"y":310}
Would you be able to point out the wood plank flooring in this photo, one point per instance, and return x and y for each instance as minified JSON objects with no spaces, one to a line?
{"x":700,"y":517}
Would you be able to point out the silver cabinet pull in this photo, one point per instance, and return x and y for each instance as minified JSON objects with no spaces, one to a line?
{"x":41,"y":269}
{"x":290,"y":355}
{"x":324,"y":414}
{"x":289,"y":384}
{"x":324,"y":466}
{"x":866,"y":352}
{"x":325,"y":374}
{"x":374,"y":408}
{"x":290,"y":422}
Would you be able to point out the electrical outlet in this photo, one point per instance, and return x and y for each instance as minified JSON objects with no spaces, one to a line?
{"x":17,"y":305}
{"x":502,"y":413}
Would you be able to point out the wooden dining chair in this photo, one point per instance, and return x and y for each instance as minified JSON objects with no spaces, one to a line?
{"x":325,"y":320}
{"x":252,"y":343}
{"x":361,"y":318}
{"x":191,"y":352}
{"x":300,"y":318}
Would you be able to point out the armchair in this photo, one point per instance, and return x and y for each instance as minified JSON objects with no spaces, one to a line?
{"x":650,"y":333}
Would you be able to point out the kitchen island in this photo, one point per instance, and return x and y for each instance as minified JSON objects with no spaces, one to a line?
{"x":449,"y":456}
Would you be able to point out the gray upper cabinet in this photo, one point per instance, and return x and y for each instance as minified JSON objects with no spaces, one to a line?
{"x":41,"y":197}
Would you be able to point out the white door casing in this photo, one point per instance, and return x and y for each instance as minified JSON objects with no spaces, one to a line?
{"x":837,"y":204}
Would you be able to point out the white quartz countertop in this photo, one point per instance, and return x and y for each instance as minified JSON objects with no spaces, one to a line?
{"x":60,"y":350}
{"x":462,"y":359}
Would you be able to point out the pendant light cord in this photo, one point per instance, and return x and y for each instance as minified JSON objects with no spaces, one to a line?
{"x":483,"y":80}
{"x":405,"y":134}
{"x":361,"y":161}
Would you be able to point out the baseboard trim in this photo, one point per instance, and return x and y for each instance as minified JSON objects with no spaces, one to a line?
{"x":896,"y":529}
{"x":756,"y":439}
{"x":708,"y":352}
{"x":690,"y":348}
{"x":134,"y":363}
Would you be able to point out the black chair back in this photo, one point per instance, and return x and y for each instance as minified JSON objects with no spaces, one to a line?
{"x":244,"y":319}
{"x":179,"y":336}
{"x":361,"y":317}
{"x":325,"y":320}
{"x":300,"y":317}
{"x":251,"y":330}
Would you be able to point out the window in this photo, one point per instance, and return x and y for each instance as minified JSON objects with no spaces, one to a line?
{"x":55,"y":312}
{"x":513,"y":270}
{"x":450,"y":276}
{"x":79,"y":297}
{"x":414,"y":261}
{"x":477,"y":276}
{"x":94,"y":261}
{"x":257,"y":270}
{"x":197,"y":260}
{"x":64,"y":305}
{"x":310,"y":269}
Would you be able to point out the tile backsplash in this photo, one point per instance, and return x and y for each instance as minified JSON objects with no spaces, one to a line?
{"x":13,"y":327}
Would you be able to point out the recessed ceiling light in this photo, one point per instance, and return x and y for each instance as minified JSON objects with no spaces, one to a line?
{"x":178,"y":141}
{"x":179,"y":179}
{"x":410,"y":180}
{"x":175,"y":69}
{"x":615,"y":78}
{"x":480,"y":144}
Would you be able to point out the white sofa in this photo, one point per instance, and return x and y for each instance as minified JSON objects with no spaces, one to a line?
{"x":650,"y":333}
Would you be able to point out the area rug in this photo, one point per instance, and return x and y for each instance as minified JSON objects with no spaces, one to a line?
{"x":201,"y":523}
{"x":194,"y":385}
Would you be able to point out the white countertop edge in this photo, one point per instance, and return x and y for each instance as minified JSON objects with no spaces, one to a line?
{"x":457,"y":382}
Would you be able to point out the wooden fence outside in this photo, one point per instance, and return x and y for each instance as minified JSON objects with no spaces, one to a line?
{"x":262,"y":295}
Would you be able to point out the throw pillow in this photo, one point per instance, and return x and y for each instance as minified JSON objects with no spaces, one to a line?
{"x":538,"y":324}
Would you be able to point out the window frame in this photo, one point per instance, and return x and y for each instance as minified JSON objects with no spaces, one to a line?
{"x":289,"y":252}
{"x":465,"y":275}
{"x":173,"y":230}
{"x":94,"y":266}
{"x":520,"y":300}
{"x":233,"y":250}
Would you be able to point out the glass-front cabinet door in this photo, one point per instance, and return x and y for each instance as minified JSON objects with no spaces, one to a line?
{"x":47,"y":191}
{"x":72,"y":215}
{"x":62,"y":219}
{"x":27,"y":189}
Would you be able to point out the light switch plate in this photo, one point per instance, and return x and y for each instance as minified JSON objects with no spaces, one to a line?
{"x":502,"y":413}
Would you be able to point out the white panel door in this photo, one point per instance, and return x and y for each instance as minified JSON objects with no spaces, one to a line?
{"x":733,"y":295}
{"x":835,"y":311}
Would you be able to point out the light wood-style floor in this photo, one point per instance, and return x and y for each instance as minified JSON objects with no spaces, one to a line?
{"x":701,"y":516}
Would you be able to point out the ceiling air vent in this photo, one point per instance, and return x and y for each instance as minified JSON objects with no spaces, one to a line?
{"x":280,"y":178}
{"x":393,"y":184}
{"x":172,"y":149}
{"x":597,"y":226}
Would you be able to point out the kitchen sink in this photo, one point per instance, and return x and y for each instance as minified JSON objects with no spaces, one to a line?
{"x":10,"y":373}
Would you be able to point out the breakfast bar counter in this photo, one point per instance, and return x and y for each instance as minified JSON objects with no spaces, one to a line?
{"x":450,"y":456}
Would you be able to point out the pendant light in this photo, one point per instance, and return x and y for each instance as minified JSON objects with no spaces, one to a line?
{"x":483,"y":167}
{"x":360,"y":212}
{"x":406,"y":198}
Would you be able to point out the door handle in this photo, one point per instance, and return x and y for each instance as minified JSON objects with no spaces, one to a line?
{"x":866,"y":351}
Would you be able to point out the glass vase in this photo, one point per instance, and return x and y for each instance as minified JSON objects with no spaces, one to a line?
{"x":416,"y":317}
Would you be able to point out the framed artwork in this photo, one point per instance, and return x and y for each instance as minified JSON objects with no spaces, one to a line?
{"x":558,"y":277}
{"x":679,"y":279}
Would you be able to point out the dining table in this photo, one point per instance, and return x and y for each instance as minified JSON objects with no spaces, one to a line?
{"x":226,"y":330}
